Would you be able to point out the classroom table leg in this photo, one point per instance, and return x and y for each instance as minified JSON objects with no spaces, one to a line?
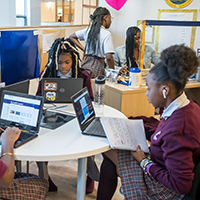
{"x":81,"y":179}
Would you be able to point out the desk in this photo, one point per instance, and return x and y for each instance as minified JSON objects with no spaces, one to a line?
{"x":133,"y":102}
{"x":192,"y":90}
{"x":64,"y":143}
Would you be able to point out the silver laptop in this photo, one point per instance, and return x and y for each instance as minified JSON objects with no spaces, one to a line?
{"x":60,"y":90}
{"x":89,"y":124}
{"x":23,"y":111}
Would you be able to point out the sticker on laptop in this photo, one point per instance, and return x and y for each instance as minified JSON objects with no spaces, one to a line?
{"x":50,"y":86}
{"x":51,"y":96}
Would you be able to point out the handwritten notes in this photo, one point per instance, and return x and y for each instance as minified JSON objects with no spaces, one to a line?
{"x":124,"y":133}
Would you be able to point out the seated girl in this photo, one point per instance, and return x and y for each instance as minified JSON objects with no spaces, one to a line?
{"x":17,"y":185}
{"x":168,"y":172}
{"x":63,"y":62}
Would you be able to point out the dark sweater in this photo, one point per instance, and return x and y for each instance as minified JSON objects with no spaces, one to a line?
{"x":81,"y":74}
{"x":175,"y":148}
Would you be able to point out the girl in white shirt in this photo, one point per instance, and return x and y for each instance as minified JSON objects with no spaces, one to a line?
{"x":98,"y":43}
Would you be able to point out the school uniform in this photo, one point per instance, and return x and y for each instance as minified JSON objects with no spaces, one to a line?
{"x":175,"y":149}
{"x":23,"y":186}
{"x":93,"y":61}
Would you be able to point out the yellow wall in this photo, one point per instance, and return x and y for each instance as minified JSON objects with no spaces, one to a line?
{"x":48,"y":11}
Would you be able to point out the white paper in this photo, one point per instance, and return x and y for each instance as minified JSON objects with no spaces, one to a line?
{"x":47,"y":41}
{"x":124,"y":133}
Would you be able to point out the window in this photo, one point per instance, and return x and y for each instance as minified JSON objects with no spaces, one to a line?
{"x":21,"y":19}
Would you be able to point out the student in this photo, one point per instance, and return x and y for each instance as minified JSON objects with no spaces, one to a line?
{"x":17,"y":185}
{"x":63,"y":62}
{"x":128,"y":55}
{"x":98,"y":43}
{"x":175,"y":145}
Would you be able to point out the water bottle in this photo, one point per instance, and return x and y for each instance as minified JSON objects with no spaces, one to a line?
{"x":134,"y":77}
{"x":99,"y":93}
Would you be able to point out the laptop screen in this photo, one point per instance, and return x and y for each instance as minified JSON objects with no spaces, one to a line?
{"x":21,"y":110}
{"x":83,"y":107}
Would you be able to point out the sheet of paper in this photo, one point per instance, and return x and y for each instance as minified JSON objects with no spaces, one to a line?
{"x":125,"y":133}
{"x":47,"y":41}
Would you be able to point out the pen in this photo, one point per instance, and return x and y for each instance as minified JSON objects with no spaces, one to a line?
{"x":2,"y":129}
{"x":59,"y":107}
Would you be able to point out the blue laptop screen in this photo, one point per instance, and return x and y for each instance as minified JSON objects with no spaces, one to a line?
{"x":21,"y":110}
{"x":83,"y":106}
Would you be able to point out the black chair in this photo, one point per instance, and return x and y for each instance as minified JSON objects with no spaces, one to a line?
{"x":194,"y":193}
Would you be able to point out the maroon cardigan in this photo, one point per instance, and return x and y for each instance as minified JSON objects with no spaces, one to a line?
{"x":175,"y":148}
{"x":81,"y":74}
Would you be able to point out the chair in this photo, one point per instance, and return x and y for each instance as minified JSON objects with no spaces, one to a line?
{"x":194,"y":193}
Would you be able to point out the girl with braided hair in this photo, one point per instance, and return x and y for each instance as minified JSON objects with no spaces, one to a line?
{"x":98,"y":43}
{"x":128,"y":55}
{"x":63,"y":62}
{"x":167,"y":171}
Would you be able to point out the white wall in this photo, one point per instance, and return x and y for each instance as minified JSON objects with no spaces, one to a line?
{"x":7,"y":13}
{"x":134,"y":10}
{"x":35,"y":13}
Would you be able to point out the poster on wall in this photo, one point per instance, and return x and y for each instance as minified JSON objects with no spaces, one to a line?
{"x":169,"y":35}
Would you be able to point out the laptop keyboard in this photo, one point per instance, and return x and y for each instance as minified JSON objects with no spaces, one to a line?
{"x":95,"y":128}
{"x":24,"y":136}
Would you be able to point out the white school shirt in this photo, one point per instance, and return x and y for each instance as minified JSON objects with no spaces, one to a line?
{"x":105,"y":38}
{"x":179,"y":102}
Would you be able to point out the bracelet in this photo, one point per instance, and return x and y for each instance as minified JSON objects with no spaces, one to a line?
{"x":148,"y":167}
{"x":4,"y":154}
{"x":144,"y":163}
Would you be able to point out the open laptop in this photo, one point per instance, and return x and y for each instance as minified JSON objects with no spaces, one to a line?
{"x":22,"y":86}
{"x":89,"y":124}
{"x":60,"y":90}
{"x":22,"y":111}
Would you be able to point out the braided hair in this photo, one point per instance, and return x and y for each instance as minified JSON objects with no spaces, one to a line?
{"x":178,"y":62}
{"x":93,"y":35}
{"x":61,"y":45}
{"x":130,"y":45}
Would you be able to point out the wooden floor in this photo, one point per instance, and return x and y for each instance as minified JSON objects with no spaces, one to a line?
{"x":64,"y":174}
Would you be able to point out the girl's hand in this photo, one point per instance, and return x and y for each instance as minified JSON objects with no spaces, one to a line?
{"x":138,"y":154}
{"x":10,"y":135}
{"x":123,"y":70}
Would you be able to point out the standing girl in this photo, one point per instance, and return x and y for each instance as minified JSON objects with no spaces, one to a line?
{"x":98,"y":43}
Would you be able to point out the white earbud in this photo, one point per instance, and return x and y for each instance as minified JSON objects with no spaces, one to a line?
{"x":164,"y":95}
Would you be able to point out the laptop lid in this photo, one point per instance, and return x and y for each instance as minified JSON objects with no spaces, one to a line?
{"x":60,"y":90}
{"x":21,"y":110}
{"x":22,"y":86}
{"x":83,"y":108}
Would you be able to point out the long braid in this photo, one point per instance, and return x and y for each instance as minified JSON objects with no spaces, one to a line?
{"x":130,"y":46}
{"x":61,"y":45}
{"x":93,"y":42}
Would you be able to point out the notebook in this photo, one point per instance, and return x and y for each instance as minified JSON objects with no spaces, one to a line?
{"x":60,"y":90}
{"x":22,"y":86}
{"x":23,"y":111}
{"x":88,"y":122}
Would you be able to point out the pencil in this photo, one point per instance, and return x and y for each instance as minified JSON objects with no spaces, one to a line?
{"x":1,"y":129}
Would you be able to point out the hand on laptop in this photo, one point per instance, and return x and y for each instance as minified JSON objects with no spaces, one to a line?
{"x":10,"y":135}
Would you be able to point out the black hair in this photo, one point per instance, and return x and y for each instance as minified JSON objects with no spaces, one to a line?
{"x":130,"y":45}
{"x":93,"y":35}
{"x":61,"y":45}
{"x":178,"y":62}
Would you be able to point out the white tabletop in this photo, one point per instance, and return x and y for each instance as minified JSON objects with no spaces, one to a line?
{"x":66,"y":142}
